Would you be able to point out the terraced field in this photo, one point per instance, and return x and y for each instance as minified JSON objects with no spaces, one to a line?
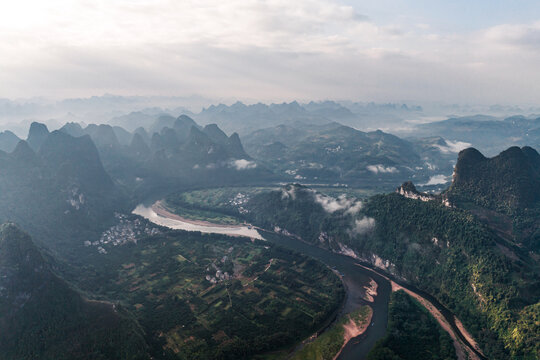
{"x":209,"y":296}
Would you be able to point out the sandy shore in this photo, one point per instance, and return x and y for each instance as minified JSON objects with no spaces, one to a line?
{"x":160,"y":209}
{"x":352,"y":330}
{"x":371,"y":291}
{"x":467,"y":335}
{"x":161,"y":216}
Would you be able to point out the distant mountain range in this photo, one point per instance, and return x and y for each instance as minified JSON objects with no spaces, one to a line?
{"x":171,"y":150}
{"x":179,"y":149}
{"x":133,"y":112}
{"x":304,"y":144}
{"x":334,"y":153}
{"x":489,"y":134}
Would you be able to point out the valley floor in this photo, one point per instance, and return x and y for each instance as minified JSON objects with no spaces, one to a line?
{"x":464,"y":349}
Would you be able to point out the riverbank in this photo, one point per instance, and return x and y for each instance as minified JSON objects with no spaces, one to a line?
{"x":331,"y":343}
{"x":160,"y":216}
{"x":355,"y":327}
{"x":357,"y":280}
{"x":463,"y":351}
{"x":370,"y":291}
{"x":467,"y":335}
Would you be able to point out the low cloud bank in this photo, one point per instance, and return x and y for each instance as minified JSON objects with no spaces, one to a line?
{"x":243,"y":164}
{"x":453,"y":146}
{"x":381,"y":169}
{"x":437,"y":180}
{"x":363,"y":226}
{"x":330,"y":204}
{"x":288,"y":192}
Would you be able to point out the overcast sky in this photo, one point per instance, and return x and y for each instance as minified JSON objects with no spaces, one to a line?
{"x":481,"y":51}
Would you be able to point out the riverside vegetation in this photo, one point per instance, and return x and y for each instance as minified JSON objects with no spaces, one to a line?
{"x":413,"y":334}
{"x":100,"y":284}
{"x":489,"y":279}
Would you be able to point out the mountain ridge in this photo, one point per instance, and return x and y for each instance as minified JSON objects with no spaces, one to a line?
{"x":41,"y":315}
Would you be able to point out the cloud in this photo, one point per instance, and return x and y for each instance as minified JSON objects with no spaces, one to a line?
{"x":437,"y":180}
{"x":331,"y":205}
{"x":452,"y":146}
{"x":243,"y":164}
{"x":270,"y":50}
{"x":363,"y":226}
{"x":525,"y":36}
{"x":376,"y":169}
{"x":289,"y":191}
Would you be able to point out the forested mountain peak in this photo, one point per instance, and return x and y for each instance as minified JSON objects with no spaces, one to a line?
{"x":506,"y":182}
{"x":182,"y":125}
{"x":103,"y":135}
{"x":138,"y":146}
{"x":23,"y":152}
{"x":215,"y":133}
{"x":235,"y":146}
{"x":161,"y":122}
{"x":78,"y":158}
{"x":8,"y":141}
{"x":408,"y":190}
{"x":184,"y":119}
{"x":37,"y":134}
{"x":408,"y":186}
{"x":41,"y":314}
{"x":143,"y":133}
{"x":16,"y":247}
{"x":73,"y":129}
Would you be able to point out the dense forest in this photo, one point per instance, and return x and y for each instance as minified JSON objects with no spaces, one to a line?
{"x":488,"y":289}
{"x":413,"y":334}
{"x":42,"y":317}
{"x":447,"y":252}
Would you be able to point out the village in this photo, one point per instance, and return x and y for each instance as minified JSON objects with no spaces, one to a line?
{"x":239,"y":201}
{"x":126,"y":231}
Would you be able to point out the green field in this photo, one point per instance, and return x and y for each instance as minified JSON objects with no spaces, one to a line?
{"x":226,"y":205}
{"x":215,"y":297}
{"x":218,"y":205}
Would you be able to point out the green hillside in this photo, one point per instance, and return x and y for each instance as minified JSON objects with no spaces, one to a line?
{"x":41,"y":317}
{"x":413,"y":334}
{"x":490,"y":283}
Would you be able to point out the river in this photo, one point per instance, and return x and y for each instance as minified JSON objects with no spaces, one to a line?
{"x":355,"y":278}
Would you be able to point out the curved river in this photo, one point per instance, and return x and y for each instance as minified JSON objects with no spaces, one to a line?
{"x":355,"y":278}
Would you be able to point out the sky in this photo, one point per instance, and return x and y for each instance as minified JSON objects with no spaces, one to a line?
{"x":474,"y":52}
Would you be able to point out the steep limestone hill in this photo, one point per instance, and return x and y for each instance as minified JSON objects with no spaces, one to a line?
{"x":41,"y":317}
{"x":36,"y":135}
{"x":62,"y":195}
{"x":506,"y":182}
